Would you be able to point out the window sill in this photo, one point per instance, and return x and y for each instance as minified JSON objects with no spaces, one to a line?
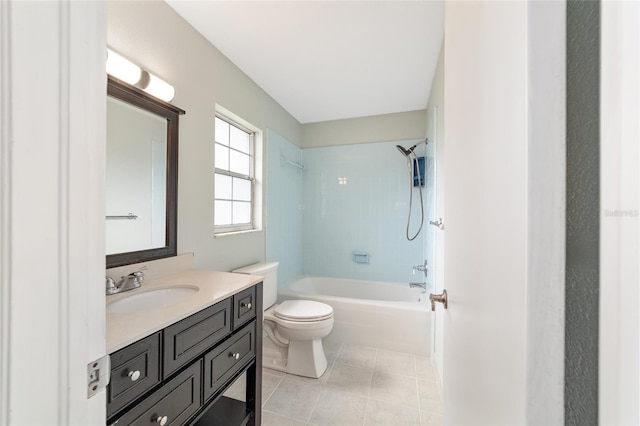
{"x":232,"y":233}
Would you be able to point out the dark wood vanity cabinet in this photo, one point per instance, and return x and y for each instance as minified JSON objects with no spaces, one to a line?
{"x":134,"y":370}
{"x":172,"y":404}
{"x":178,"y":375}
{"x":190,"y":337}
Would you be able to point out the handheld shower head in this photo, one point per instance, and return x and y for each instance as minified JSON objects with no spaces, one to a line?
{"x":406,"y":152}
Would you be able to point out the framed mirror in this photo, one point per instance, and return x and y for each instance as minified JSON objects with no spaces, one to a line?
{"x":141,"y":176}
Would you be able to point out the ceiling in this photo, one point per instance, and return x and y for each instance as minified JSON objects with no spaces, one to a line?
{"x":328,"y":60}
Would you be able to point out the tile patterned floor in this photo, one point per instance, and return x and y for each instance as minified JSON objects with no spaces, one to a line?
{"x":362,"y":386}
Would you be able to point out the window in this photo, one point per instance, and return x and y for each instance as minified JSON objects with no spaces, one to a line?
{"x":234,"y":183}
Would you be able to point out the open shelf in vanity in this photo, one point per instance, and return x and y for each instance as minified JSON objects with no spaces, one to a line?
{"x":177,"y":375}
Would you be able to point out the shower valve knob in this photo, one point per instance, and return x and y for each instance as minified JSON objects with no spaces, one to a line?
{"x":424,"y":268}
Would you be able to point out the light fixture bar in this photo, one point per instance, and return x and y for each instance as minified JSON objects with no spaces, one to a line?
{"x":123,"y":69}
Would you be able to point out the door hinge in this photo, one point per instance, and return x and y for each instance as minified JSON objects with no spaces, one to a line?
{"x":98,"y":375}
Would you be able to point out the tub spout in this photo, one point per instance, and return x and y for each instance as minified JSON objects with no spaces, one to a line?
{"x":422,"y":285}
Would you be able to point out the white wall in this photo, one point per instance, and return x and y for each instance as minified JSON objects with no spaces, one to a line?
{"x":151,"y":34}
{"x":376,"y":128}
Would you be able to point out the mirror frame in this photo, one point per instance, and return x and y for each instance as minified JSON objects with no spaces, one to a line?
{"x":137,"y":97}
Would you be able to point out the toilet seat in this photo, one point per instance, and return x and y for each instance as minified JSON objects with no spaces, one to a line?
{"x":303,"y":311}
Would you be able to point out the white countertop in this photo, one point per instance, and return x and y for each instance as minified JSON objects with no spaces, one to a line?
{"x":213,"y":286}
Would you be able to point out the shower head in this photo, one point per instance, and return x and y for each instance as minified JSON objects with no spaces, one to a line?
{"x":404,"y":151}
{"x":407,"y":152}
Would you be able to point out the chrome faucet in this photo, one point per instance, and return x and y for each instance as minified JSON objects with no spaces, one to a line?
{"x":422,"y":285}
{"x":128,"y":282}
{"x":422,"y":268}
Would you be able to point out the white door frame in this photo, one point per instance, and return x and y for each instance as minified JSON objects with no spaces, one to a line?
{"x":52,"y":262}
{"x":619,"y":356}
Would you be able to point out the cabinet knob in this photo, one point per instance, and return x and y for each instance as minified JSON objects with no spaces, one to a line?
{"x":236,"y":356}
{"x":245,"y":305}
{"x":134,"y":375}
{"x":162,"y":420}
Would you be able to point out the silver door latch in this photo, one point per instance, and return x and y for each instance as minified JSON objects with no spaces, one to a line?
{"x":98,"y":375}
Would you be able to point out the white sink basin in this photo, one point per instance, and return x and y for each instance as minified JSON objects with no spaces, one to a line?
{"x":151,"y":299}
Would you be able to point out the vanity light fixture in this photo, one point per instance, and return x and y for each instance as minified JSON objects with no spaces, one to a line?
{"x":157,"y":87}
{"x":125,"y":70}
{"x":122,"y":68}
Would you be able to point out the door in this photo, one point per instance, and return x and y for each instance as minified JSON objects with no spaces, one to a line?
{"x":52,"y":322}
{"x":485,"y":204}
{"x":492,"y":359}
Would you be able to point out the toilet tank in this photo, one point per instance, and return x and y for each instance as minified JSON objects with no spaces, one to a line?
{"x":270,"y":284}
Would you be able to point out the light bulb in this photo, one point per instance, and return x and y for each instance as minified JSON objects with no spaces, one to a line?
{"x":159,"y":88}
{"x":122,"y":69}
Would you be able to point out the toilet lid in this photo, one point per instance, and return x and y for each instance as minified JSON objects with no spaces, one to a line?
{"x":303,"y":310}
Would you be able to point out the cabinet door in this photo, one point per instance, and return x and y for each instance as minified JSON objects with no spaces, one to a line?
{"x":171,"y":405}
{"x":226,"y":360}
{"x":193,"y":335}
{"x":134,"y":370}
{"x":244,"y":307}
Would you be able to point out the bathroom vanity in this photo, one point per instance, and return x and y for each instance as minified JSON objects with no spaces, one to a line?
{"x":172,"y":362}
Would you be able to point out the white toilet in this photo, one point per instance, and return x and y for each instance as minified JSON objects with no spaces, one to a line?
{"x":294,"y":328}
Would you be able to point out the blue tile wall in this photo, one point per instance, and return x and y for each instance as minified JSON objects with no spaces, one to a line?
{"x":283,"y":203}
{"x":349,"y":198}
{"x":356,"y":199}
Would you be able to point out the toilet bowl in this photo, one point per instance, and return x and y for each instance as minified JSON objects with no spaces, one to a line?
{"x":294,"y":328}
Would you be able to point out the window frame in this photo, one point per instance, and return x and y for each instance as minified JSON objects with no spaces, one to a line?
{"x":252,"y":132}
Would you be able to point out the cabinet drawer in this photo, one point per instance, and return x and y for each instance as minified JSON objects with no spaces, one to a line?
{"x":227,"y":359}
{"x":190,"y":337}
{"x":178,"y":400}
{"x":134,"y":370}
{"x":244,"y":307}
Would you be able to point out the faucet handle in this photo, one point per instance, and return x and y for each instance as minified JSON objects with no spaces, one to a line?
{"x":110,"y":285}
{"x":139,"y":275}
{"x":139,"y":272}
{"x":422,"y":268}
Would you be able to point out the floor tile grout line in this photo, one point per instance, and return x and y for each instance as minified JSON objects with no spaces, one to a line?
{"x":282,"y":415}
{"x":399,"y":405}
{"x":415,"y":365}
{"x":375,"y":362}
{"x":322,"y":387}
{"x":315,"y":405}
{"x":264,"y":400}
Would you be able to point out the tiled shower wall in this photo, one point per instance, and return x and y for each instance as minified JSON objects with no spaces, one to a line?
{"x":349,"y":198}
{"x":284,"y":204}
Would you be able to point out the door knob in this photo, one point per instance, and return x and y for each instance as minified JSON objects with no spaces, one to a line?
{"x":440,"y":298}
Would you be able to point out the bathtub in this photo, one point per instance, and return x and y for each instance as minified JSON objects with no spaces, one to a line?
{"x":383,"y":315}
